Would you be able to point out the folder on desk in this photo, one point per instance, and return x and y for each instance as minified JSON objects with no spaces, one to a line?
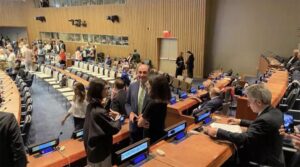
{"x":227,"y":127}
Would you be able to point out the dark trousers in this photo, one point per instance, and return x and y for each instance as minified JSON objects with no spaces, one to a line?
{"x":78,"y":122}
{"x":136,"y":133}
{"x":178,"y":71}
{"x":190,"y":73}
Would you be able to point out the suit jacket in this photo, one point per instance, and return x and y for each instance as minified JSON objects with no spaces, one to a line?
{"x":132,"y":101}
{"x":213,"y":104}
{"x":190,"y":62}
{"x":118,"y":103}
{"x":98,"y":133}
{"x":11,"y":144}
{"x":261,"y":142}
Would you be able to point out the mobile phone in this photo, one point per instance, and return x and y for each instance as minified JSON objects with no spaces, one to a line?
{"x":288,"y":123}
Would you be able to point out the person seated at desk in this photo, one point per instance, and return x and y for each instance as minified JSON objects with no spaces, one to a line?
{"x":118,"y":97}
{"x":108,"y":61}
{"x":261,"y":144}
{"x":292,"y":59}
{"x":99,"y":126}
{"x":155,"y":110}
{"x":11,"y":143}
{"x":213,"y":104}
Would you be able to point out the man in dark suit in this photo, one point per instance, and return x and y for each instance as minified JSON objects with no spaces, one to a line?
{"x":190,"y":64}
{"x":261,"y":144}
{"x":136,"y":99}
{"x":11,"y":144}
{"x":213,"y":104}
{"x":118,"y":97}
{"x":292,"y":59}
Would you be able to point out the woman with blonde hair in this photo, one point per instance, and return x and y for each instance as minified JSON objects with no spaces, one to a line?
{"x":78,"y":106}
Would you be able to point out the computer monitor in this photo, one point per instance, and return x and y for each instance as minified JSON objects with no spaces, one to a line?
{"x":203,"y":116}
{"x":43,"y":147}
{"x":177,"y":130}
{"x":183,"y":95}
{"x":173,"y":100}
{"x":135,"y":153}
{"x":77,"y":134}
{"x":193,"y":90}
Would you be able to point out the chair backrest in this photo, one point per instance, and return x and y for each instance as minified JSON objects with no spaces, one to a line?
{"x":86,"y":66}
{"x":291,"y":98}
{"x":79,"y":74}
{"x":106,"y":72}
{"x":55,"y":75}
{"x":81,"y":65}
{"x":90,"y":79}
{"x":76,"y":63}
{"x":70,"y":82}
{"x":101,"y":71}
{"x":73,"y":71}
{"x":189,"y":80}
{"x":60,"y":76}
{"x":180,"y":77}
{"x":91,"y":68}
{"x":96,"y":69}
{"x":29,"y":101}
{"x":112,"y":74}
{"x":176,"y":83}
{"x":85,"y":77}
{"x":119,"y":74}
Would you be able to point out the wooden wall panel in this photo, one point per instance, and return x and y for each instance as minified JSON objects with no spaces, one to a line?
{"x":12,"y":14}
{"x":143,"y":21}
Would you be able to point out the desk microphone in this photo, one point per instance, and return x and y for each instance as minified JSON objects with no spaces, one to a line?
{"x":60,"y":132}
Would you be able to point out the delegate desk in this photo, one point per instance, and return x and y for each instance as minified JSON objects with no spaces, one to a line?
{"x":195,"y":150}
{"x":175,"y":111}
{"x":277,"y":84}
{"x":74,"y":149}
{"x":73,"y":76}
{"x":266,"y":62}
{"x":11,"y":96}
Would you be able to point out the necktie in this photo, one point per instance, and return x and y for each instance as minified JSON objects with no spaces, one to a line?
{"x":141,"y":100}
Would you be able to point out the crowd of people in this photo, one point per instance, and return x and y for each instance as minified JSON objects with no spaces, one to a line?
{"x":144,"y":102}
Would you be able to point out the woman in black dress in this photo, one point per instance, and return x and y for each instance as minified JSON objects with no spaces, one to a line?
{"x":99,"y":126}
{"x":154,"y":111}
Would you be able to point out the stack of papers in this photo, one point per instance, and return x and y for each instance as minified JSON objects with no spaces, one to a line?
{"x":227,"y":127}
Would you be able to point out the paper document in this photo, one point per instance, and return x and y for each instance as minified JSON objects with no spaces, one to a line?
{"x":230,"y":128}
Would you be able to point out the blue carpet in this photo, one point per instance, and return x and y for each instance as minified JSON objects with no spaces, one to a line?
{"x":48,"y":111}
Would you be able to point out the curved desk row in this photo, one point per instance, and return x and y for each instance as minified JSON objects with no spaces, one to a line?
{"x":175,"y":111}
{"x":277,"y":84}
{"x":11,"y":96}
{"x":74,"y":149}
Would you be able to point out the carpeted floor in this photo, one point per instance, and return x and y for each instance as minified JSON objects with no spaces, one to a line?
{"x":49,"y":109}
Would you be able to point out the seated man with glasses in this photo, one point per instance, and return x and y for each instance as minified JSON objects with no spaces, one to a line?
{"x":261,"y":144}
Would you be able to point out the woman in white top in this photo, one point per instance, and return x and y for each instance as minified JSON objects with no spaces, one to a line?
{"x":78,"y":106}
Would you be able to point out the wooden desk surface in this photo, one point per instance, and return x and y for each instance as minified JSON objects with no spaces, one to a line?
{"x":74,"y":150}
{"x":277,"y":84}
{"x":195,"y":150}
{"x":11,"y":96}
